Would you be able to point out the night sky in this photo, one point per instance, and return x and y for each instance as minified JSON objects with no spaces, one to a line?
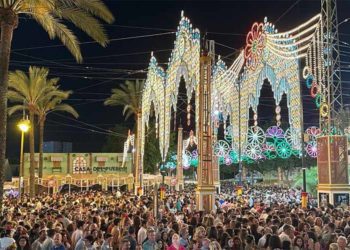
{"x":226,"y":22}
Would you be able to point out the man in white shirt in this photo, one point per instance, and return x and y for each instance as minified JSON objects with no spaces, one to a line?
{"x":37,"y":244}
{"x":6,"y":240}
{"x":287,"y":234}
{"x":142,"y":233}
{"x":262,"y":240}
{"x":78,"y":233}
{"x":48,"y":243}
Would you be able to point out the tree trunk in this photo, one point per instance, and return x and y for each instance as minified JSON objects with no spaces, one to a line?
{"x":32,"y":159}
{"x":8,"y":23}
{"x":41,"y":144}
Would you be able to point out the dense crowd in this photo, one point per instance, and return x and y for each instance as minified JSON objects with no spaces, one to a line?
{"x":261,"y":218}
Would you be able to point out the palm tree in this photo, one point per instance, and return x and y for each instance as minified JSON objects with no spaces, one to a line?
{"x":46,"y":106}
{"x":49,"y":14}
{"x":28,"y":91}
{"x":128,"y":95}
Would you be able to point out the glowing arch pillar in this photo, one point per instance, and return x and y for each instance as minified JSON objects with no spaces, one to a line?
{"x":138,"y":161}
{"x":179,"y":169}
{"x":205,"y":193}
{"x":216,"y":168}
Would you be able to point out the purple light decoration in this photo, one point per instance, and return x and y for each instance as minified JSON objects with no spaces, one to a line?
{"x":195,"y":154}
{"x":275,"y":131}
{"x":311,"y":149}
{"x":228,"y":161}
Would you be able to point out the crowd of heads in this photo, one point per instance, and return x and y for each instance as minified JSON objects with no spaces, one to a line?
{"x":260,"y":218}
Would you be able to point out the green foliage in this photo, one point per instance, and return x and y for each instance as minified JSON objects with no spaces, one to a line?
{"x":37,"y":93}
{"x":152,"y":156}
{"x":50,"y":14}
{"x":128,"y":95}
{"x":228,"y":172}
{"x":311,"y":180}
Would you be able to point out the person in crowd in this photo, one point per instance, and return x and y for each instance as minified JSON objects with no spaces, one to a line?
{"x":48,"y":243}
{"x":23,"y":243}
{"x":175,"y":243}
{"x":150,"y":243}
{"x":57,"y":242}
{"x":6,"y":239}
{"x":37,"y":244}
{"x":298,"y":243}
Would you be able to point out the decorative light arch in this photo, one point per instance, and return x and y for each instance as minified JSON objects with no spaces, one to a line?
{"x":267,"y":55}
{"x":162,"y":86}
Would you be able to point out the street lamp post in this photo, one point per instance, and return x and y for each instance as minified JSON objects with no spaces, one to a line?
{"x":24,"y":126}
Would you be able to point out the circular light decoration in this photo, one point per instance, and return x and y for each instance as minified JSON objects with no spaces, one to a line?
{"x":234,"y":156}
{"x":314,"y":90}
{"x":195,"y":154}
{"x":269,"y":150}
{"x":228,"y":133}
{"x":309,"y":80}
{"x":318,"y":100}
{"x":256,"y":135}
{"x":228,"y":160}
{"x":324,"y":110}
{"x":253,"y":151}
{"x":311,"y":149}
{"x":255,"y":43}
{"x":283,"y":149}
{"x":274,"y":132}
{"x":306,"y":72}
{"x":293,"y":137}
{"x":221,"y":148}
{"x":313,"y":132}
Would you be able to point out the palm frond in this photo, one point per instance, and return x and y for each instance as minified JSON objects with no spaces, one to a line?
{"x":57,"y":29}
{"x":13,"y":109}
{"x":66,"y":108}
{"x":18,"y":82}
{"x":14,"y":96}
{"x":128,"y":95}
{"x":47,"y":23}
{"x":94,"y":7}
{"x":91,"y":26}
{"x":6,"y":4}
{"x":69,"y":40}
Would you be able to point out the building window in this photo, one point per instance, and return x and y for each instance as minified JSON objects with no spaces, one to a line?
{"x":79,"y":165}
